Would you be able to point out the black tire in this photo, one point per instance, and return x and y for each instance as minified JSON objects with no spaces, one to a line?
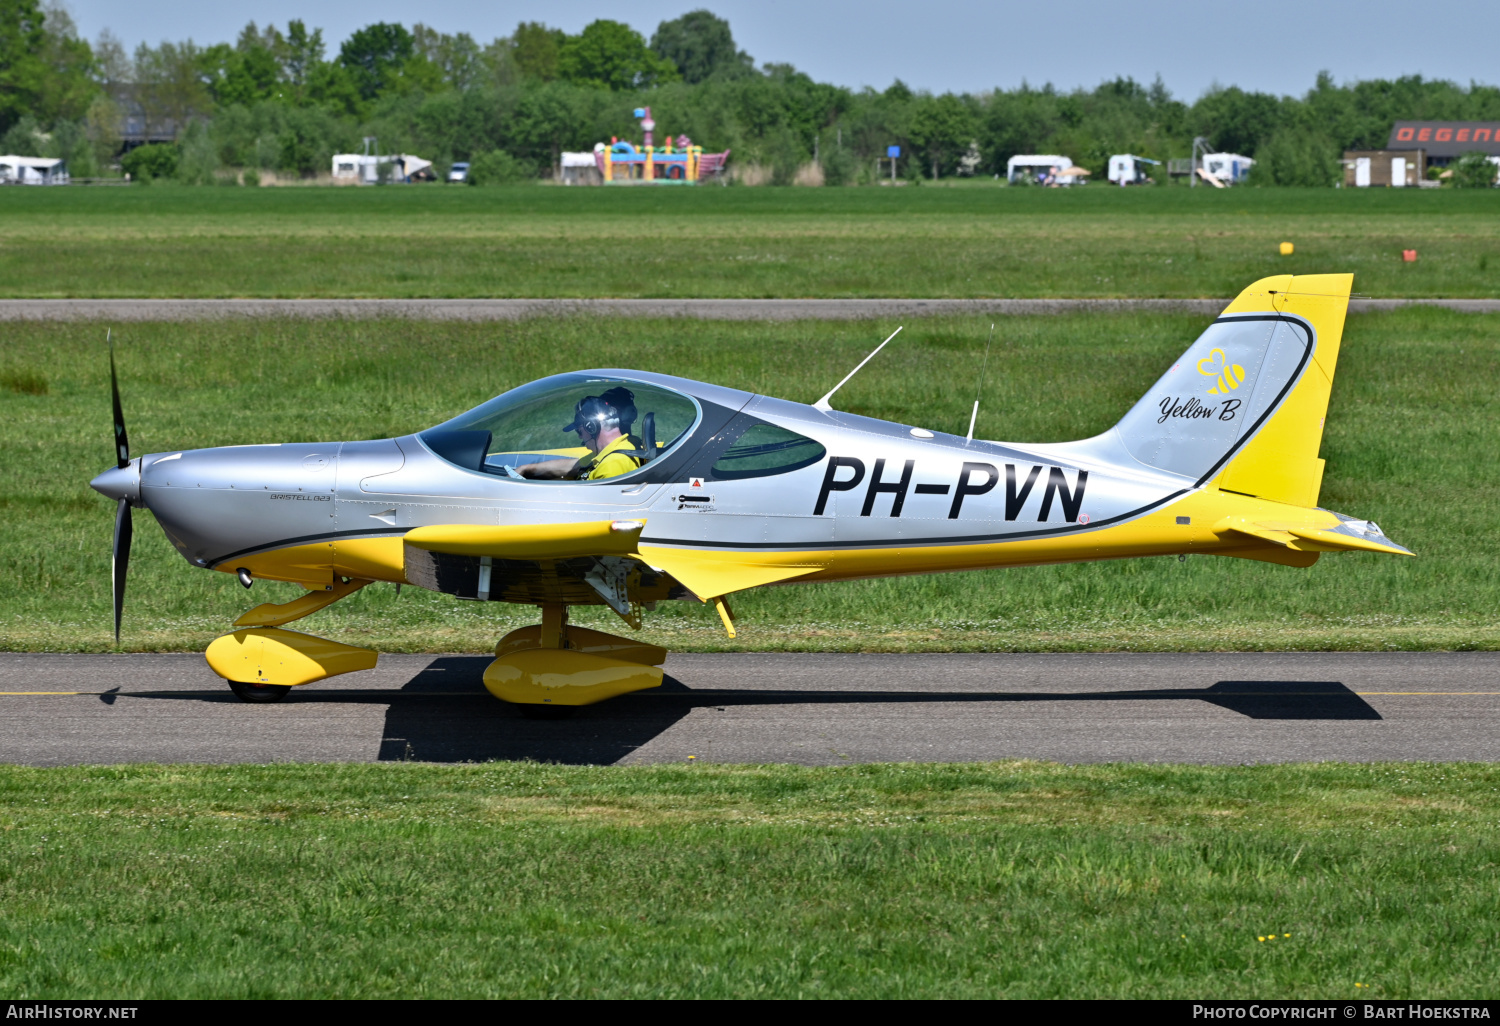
{"x":259,"y":694}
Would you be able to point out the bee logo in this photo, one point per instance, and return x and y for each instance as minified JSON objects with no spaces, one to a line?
{"x":1228,"y":376}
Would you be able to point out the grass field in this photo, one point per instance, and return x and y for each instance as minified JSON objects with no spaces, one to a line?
{"x":1411,"y":442}
{"x":731,"y":242}
{"x":1015,"y":880}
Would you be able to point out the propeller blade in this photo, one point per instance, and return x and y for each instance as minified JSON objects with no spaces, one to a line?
{"x":122,"y":444}
{"x":123,"y":531}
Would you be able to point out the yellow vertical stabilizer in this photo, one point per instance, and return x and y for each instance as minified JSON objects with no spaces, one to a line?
{"x":1281,"y":462}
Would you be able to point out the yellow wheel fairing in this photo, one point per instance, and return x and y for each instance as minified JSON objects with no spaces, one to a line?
{"x":549,"y":676}
{"x":270,"y":655}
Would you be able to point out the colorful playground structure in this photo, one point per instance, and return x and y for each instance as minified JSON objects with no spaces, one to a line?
{"x":678,"y":162}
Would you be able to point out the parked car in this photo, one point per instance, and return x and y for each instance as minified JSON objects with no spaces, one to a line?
{"x":459,"y":172}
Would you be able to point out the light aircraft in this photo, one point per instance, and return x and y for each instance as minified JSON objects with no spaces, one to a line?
{"x":734,"y":491}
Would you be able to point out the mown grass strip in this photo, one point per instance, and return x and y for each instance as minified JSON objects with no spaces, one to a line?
{"x":513,"y":879}
{"x":736,"y":242}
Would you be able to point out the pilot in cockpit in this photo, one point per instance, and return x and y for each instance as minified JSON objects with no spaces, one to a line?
{"x":603,"y":424}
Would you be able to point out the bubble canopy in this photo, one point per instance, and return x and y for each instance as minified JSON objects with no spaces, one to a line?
{"x":533,"y":423}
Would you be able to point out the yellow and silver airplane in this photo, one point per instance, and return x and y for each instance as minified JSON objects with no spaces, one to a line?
{"x":685,"y":490}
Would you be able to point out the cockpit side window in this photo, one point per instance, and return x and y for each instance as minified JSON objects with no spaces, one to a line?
{"x":763,"y":450}
{"x":539,"y":423}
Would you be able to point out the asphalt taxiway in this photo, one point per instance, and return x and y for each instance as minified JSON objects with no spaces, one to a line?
{"x":796,"y":708}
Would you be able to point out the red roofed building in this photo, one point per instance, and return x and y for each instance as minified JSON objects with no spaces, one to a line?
{"x":1443,"y":141}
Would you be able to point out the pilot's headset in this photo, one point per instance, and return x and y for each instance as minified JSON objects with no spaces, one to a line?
{"x":594,"y":413}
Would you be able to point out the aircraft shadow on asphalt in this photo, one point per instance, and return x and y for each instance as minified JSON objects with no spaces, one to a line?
{"x":462,"y":723}
{"x":444,"y":714}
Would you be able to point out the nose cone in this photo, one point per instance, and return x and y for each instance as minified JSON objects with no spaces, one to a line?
{"x":120,"y":483}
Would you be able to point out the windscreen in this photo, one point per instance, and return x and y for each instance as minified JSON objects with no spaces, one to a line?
{"x":535,"y":422}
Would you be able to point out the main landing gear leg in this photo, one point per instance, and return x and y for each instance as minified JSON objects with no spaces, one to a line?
{"x":554,"y":665}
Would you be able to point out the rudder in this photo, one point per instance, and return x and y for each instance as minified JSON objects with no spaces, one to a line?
{"x":1244,"y":406}
{"x":1281,"y":461}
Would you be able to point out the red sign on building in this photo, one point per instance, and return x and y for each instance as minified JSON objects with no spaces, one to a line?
{"x":1446,"y":138}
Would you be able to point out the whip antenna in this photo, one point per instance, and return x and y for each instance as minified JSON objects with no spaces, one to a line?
{"x":822,"y":404}
{"x":980,"y":387}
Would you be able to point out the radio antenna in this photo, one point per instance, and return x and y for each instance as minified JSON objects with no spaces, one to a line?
{"x":973,"y":417}
{"x":822,"y":404}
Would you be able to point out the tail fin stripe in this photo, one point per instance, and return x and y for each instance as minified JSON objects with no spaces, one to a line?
{"x":1275,"y":404}
{"x":1187,"y":425}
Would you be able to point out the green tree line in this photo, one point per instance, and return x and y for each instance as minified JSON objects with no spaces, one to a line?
{"x":283,"y":100}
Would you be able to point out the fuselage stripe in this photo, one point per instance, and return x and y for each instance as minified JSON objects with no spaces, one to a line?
{"x":308,"y":539}
{"x":902,"y":543}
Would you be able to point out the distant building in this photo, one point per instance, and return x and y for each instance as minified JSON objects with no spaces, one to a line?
{"x":1445,"y":141}
{"x":136,"y":129}
{"x":1416,"y":146}
{"x":581,"y":169}
{"x":1364,"y":169}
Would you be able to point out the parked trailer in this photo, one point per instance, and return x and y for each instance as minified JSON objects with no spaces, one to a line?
{"x":1128,"y":169}
{"x":1229,"y":168}
{"x":1042,"y":168}
{"x":15,"y":170}
{"x":364,"y":168}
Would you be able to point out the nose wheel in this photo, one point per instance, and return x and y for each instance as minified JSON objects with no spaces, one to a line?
{"x":258,"y":694}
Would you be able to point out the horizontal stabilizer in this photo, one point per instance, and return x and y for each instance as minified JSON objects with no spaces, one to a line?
{"x":530,"y":541}
{"x":1347,"y":535}
{"x":1340,"y":540}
